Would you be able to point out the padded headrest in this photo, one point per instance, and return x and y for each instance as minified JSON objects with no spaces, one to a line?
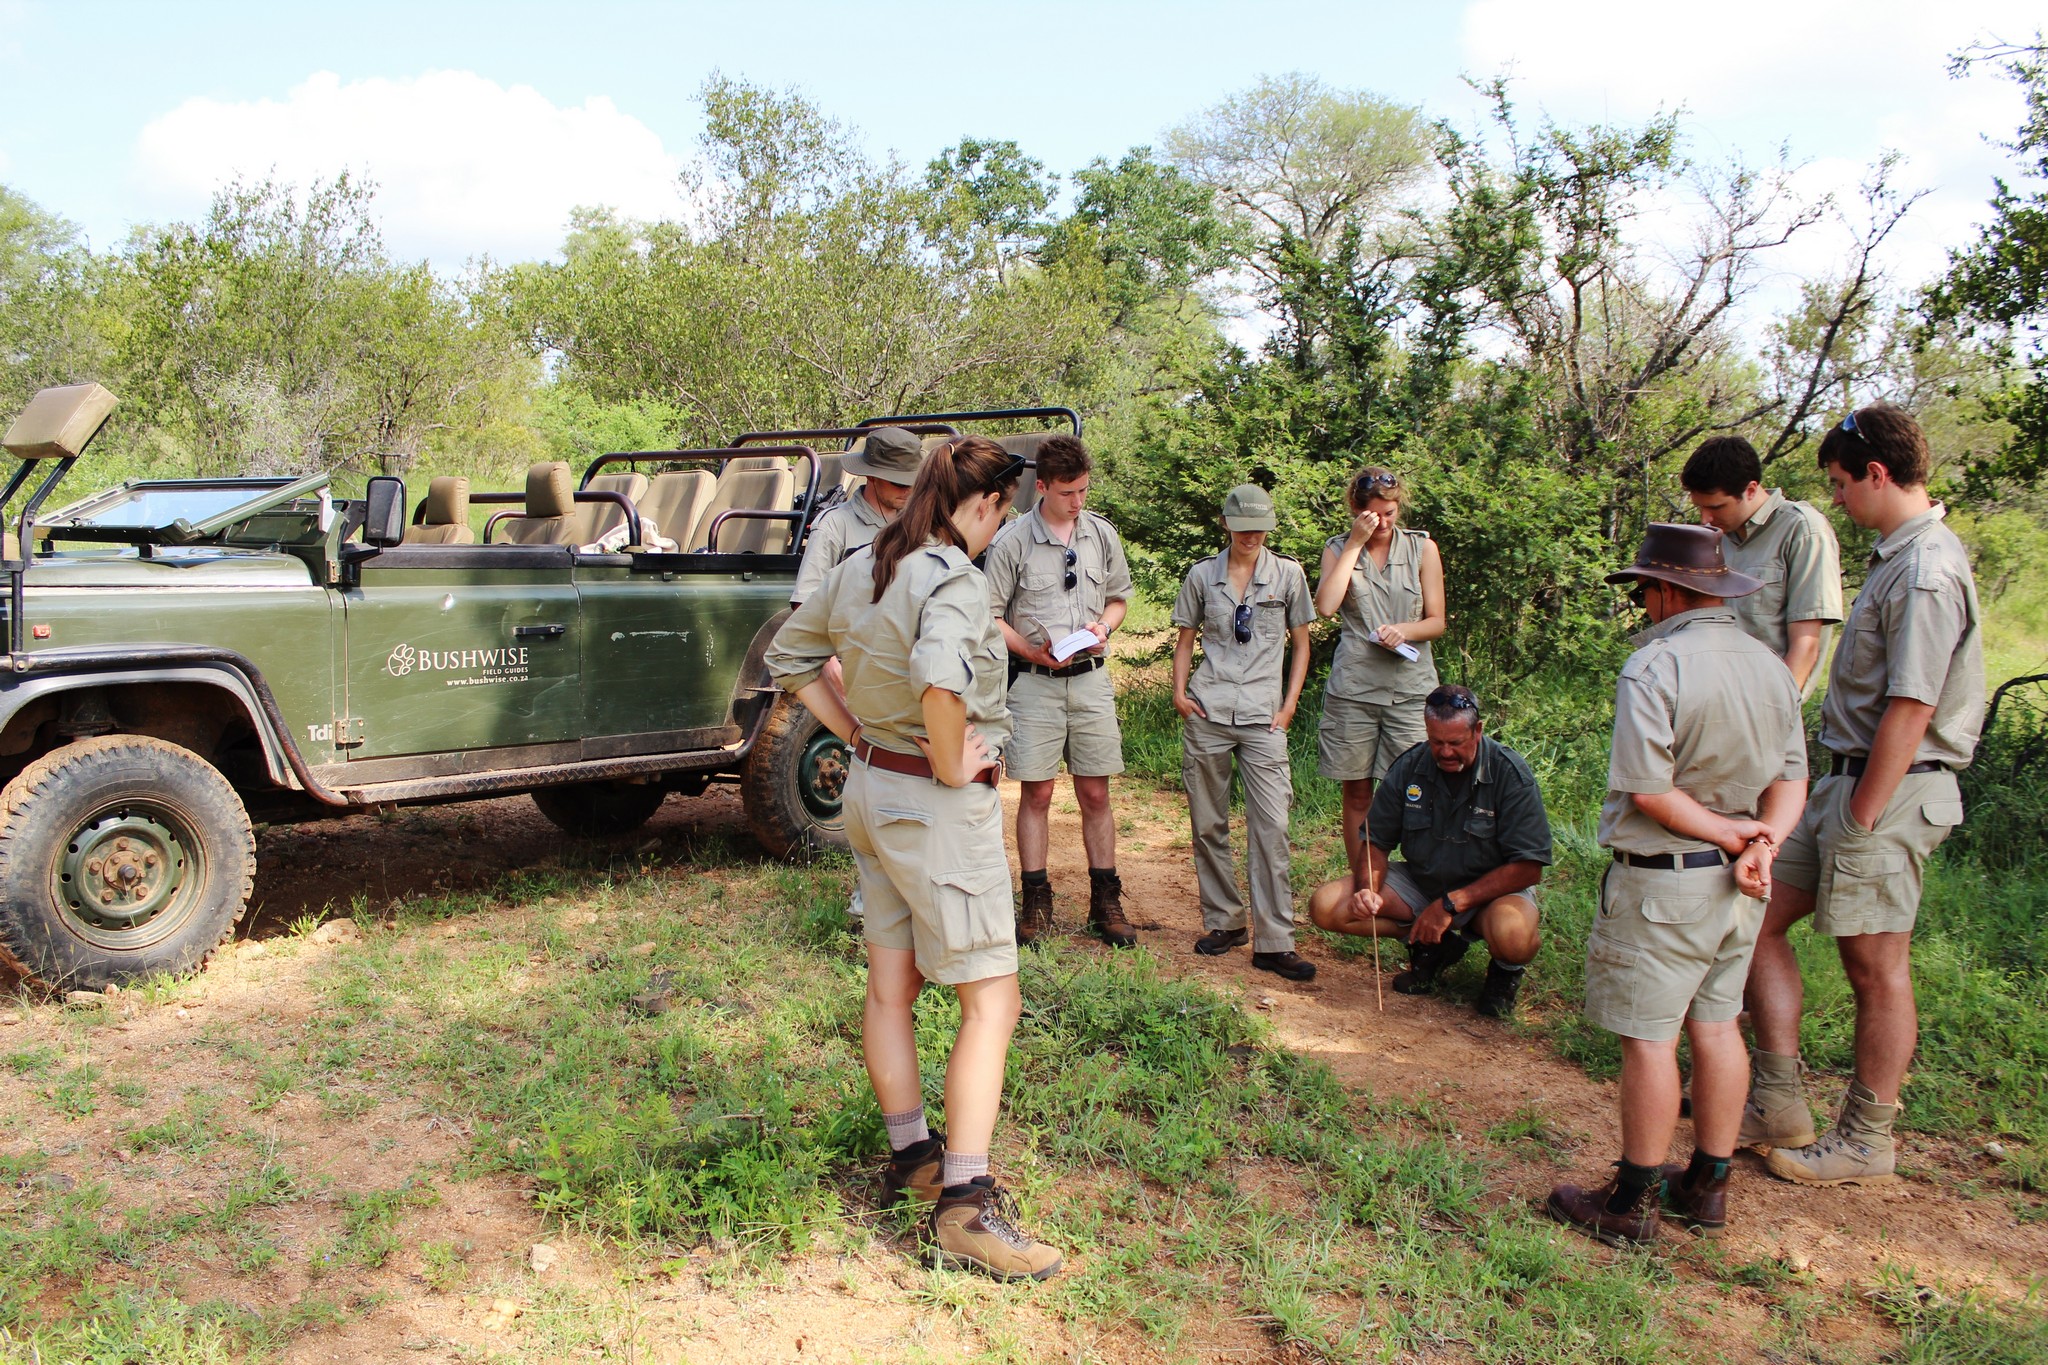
{"x":550,"y":492}
{"x":1025,"y":443}
{"x":632,"y":484}
{"x":447,"y":501}
{"x":739,"y":462}
{"x":57,"y":423}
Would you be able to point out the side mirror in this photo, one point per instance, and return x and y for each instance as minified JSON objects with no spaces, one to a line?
{"x":384,"y":511}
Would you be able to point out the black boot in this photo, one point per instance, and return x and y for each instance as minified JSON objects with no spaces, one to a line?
{"x":1426,"y":961}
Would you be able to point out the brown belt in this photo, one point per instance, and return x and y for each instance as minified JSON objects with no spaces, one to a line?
{"x":911,"y":765}
{"x":1854,"y":764}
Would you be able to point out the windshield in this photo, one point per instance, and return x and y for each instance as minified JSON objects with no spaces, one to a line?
{"x":161,"y":506}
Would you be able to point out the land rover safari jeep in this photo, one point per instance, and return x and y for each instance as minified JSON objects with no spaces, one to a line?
{"x":184,"y":655}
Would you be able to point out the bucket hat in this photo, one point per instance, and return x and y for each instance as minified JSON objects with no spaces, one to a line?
{"x":890,"y":454}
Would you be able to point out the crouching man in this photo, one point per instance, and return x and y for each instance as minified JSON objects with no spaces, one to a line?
{"x":1467,"y":816}
{"x":1707,"y":775}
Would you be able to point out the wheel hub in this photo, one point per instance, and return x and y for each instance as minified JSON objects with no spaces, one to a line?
{"x":121,"y":870}
{"x":821,"y":775}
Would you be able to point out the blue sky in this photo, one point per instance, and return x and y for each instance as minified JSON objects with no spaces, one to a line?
{"x":484,"y":123}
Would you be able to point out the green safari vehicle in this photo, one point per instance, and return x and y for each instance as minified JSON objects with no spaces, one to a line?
{"x":204,"y":652}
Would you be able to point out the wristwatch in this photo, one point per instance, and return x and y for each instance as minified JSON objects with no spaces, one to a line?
{"x":1450,"y":906}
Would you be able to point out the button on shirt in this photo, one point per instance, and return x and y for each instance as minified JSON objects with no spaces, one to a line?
{"x":851,"y":525}
{"x":1241,"y":684}
{"x":1704,"y":708}
{"x":1789,"y":547}
{"x":1912,"y":634}
{"x":1361,"y":669}
{"x":1027,"y":576}
{"x":1454,"y":828}
{"x":932,"y":628}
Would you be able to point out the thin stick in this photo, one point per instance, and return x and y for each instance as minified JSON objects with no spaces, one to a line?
{"x":1372,"y":881}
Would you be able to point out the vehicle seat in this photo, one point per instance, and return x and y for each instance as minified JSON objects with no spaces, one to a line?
{"x":675,"y":501}
{"x":550,"y":499}
{"x":1026,"y":443}
{"x":445,"y":519}
{"x":769,"y":488}
{"x":595,"y":524}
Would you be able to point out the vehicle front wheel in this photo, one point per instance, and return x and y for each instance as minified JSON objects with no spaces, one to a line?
{"x":120,"y":856}
{"x":793,"y":782}
{"x":598,"y":810}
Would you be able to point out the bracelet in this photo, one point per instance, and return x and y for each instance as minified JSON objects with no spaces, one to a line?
{"x":1766,"y":840}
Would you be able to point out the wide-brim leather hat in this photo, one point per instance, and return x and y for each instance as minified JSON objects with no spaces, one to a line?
{"x":1689,"y":556}
{"x":890,"y":454}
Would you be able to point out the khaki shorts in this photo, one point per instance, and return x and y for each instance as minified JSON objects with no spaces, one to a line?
{"x":1667,"y":947}
{"x":1063,"y":718}
{"x":1868,"y":881}
{"x":1358,"y":741}
{"x":1400,"y":880}
{"x":933,"y":874}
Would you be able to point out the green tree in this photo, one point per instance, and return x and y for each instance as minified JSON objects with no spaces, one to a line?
{"x":988,"y":202}
{"x":49,"y":333}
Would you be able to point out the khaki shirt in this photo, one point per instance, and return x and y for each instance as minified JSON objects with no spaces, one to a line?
{"x":932,"y":628}
{"x":852,"y":524}
{"x":1912,"y":633}
{"x":1241,"y":684}
{"x":1363,"y":670}
{"x":1027,"y":576}
{"x":1706,"y":709}
{"x":1453,"y":829}
{"x":1791,"y":548}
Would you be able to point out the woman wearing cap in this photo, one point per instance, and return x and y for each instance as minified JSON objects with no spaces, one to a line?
{"x":1387,"y":584}
{"x":1250,"y":607}
{"x":923,"y":709}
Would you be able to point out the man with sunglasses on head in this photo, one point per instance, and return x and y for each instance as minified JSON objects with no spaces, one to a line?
{"x":1787,"y":546}
{"x":1052,"y":573}
{"x":1467,"y":816}
{"x":1904,"y":707}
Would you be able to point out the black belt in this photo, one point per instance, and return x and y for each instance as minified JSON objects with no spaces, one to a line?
{"x":1088,"y":665}
{"x":1854,"y":764}
{"x":1671,"y":862}
{"x":911,"y":765}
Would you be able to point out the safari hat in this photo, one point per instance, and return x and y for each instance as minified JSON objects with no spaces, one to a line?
{"x":1249,"y":507}
{"x":890,"y":454}
{"x":1689,"y":556}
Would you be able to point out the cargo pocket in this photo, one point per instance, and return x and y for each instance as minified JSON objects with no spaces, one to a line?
{"x":1867,"y":888}
{"x":1612,"y":980}
{"x":973,"y":907}
{"x":1674,"y":909}
{"x":1947,"y":813}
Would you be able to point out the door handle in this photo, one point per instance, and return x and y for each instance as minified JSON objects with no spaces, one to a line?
{"x":545,"y":632}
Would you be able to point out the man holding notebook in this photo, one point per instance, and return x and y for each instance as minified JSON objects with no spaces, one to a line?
{"x":1059,"y":583}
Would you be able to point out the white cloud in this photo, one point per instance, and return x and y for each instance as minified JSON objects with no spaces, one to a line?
{"x":462,"y":164}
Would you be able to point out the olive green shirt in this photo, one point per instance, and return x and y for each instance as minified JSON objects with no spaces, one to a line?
{"x":1701,"y":707}
{"x":1027,"y":576}
{"x":1363,"y":670}
{"x":851,"y":525}
{"x":1912,"y":633}
{"x":1791,"y":548}
{"x":1454,"y":828}
{"x":932,"y":628}
{"x":1242,"y":684}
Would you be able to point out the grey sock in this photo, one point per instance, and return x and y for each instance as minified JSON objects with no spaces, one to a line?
{"x":960,"y":1167}
{"x":906,"y":1129}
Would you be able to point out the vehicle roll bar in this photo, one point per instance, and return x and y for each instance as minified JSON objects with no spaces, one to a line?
{"x":1073,"y":418}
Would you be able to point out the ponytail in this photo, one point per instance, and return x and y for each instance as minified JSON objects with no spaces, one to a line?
{"x":964,"y":467}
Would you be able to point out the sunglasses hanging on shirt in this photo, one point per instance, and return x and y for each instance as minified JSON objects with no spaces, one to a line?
{"x":1241,"y":623}
{"x":1072,"y":577}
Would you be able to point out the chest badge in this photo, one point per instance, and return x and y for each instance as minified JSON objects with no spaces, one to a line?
{"x":1414,"y":793}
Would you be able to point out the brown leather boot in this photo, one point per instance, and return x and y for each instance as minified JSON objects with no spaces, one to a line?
{"x":912,"y":1174}
{"x":972,"y":1229}
{"x":1703,"y":1207}
{"x":1034,"y":912}
{"x":1586,"y":1210}
{"x":1106,"y":910}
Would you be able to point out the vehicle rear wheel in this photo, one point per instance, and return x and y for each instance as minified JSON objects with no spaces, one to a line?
{"x":120,"y":856}
{"x":597,"y":810}
{"x":793,"y":780}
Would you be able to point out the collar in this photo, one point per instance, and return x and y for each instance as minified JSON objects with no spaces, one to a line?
{"x":1671,"y":625}
{"x":1907,"y":532}
{"x":1262,"y":569}
{"x":1762,"y":516}
{"x":1042,"y":533}
{"x":867,"y":511}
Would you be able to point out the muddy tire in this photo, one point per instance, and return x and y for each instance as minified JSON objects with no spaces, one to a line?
{"x":598,"y":810}
{"x":792,"y":782}
{"x":121,"y":856}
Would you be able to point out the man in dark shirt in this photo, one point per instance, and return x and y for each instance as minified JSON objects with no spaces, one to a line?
{"x":1468,"y":818}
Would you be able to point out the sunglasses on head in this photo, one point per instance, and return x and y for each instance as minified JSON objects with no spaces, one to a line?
{"x":1013,"y":470}
{"x":1241,"y":623}
{"x":1381,"y":483}
{"x":1443,"y":699}
{"x":1849,"y":425}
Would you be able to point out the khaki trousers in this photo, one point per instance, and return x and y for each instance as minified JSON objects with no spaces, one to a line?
{"x":1261,"y":752}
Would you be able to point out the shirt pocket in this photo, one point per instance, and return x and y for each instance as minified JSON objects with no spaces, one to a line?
{"x":1037,"y":582}
{"x":972,"y":905}
{"x":1270,"y":619}
{"x":1865,"y":644}
{"x":1480,"y":827}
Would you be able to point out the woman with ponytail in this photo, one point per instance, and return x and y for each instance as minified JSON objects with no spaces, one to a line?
{"x":923,"y":708}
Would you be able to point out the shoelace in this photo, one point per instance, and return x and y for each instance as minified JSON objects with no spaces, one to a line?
{"x":996,"y":1215}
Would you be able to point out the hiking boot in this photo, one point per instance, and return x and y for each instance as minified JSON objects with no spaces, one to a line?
{"x":972,"y":1229}
{"x":912,"y":1175}
{"x":1858,"y":1150}
{"x":1497,"y":996}
{"x":1425,"y":961}
{"x":1586,"y":1210}
{"x":1703,"y":1208}
{"x":1217,"y":942}
{"x":1034,"y":912}
{"x":1106,"y":911}
{"x":1290,"y":964}
{"x":1775,"y":1114}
